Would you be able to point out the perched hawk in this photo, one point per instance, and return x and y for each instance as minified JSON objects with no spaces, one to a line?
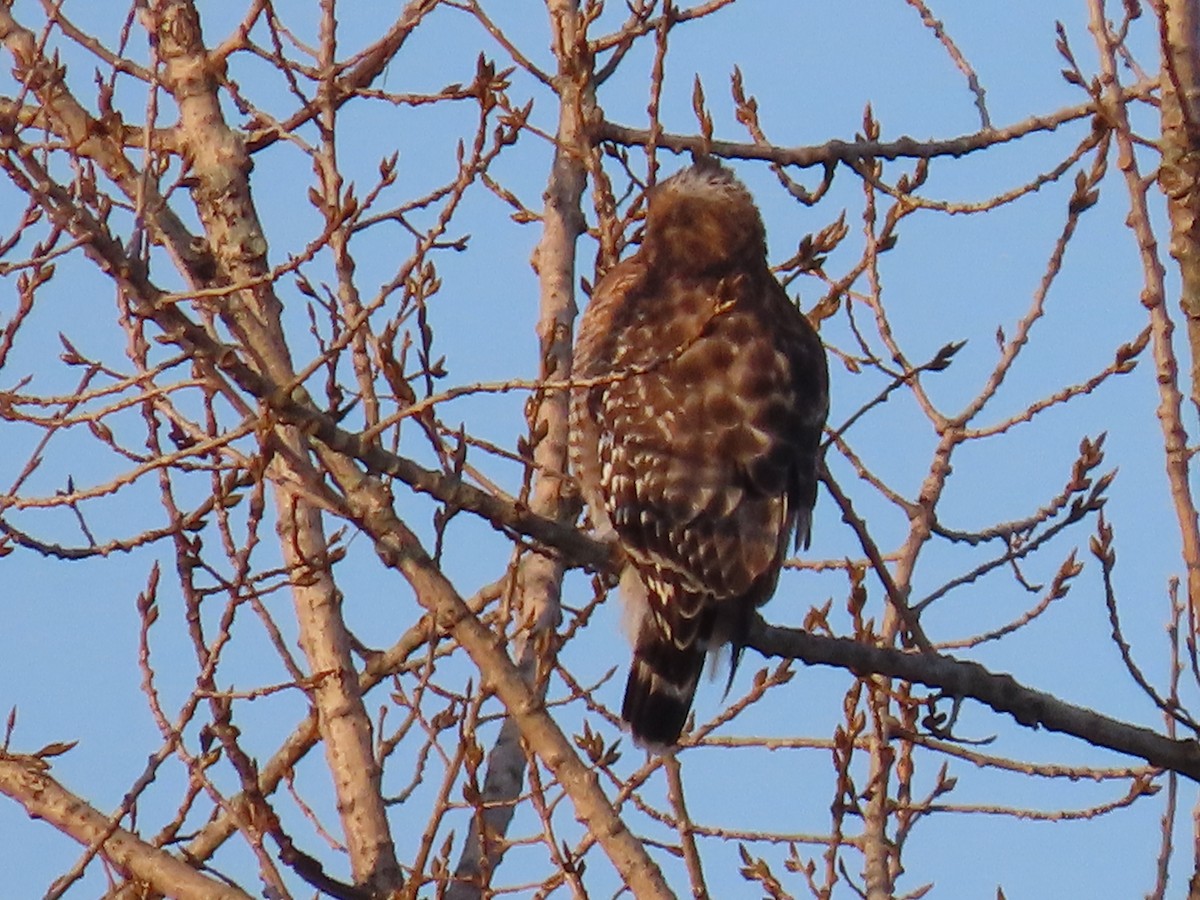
{"x":695,"y":433}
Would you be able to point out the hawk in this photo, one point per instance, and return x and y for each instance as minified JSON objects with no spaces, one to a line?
{"x":699,"y":395}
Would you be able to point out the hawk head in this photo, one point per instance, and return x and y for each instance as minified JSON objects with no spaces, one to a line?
{"x":703,"y":220}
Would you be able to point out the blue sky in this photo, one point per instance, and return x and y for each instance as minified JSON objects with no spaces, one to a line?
{"x":68,"y":632}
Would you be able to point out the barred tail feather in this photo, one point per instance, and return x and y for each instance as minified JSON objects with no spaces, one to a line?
{"x":662,"y":683}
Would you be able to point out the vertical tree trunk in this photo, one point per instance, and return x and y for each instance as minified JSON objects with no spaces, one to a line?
{"x":235,"y":237}
{"x":1179,"y":175}
{"x":538,"y":580}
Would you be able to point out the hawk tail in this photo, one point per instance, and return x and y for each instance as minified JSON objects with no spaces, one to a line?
{"x":662,"y":683}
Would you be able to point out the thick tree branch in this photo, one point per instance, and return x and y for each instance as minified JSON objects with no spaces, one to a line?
{"x":26,"y":780}
{"x":399,"y":549}
{"x":539,"y":575}
{"x":220,"y":188}
{"x":1154,"y":299}
{"x":963,"y":679}
{"x":1179,"y":175}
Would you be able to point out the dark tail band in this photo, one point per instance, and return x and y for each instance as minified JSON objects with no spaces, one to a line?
{"x":662,"y":683}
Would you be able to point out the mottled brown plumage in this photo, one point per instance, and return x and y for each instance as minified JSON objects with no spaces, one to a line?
{"x":698,"y":446}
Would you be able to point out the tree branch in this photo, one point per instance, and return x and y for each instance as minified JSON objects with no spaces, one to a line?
{"x":25,"y":779}
{"x":1002,"y":692}
{"x":859,"y":150}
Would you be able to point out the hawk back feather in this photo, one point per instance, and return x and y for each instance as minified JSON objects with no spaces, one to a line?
{"x":698,"y":444}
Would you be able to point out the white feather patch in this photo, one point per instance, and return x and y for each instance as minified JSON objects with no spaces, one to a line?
{"x":635,"y":605}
